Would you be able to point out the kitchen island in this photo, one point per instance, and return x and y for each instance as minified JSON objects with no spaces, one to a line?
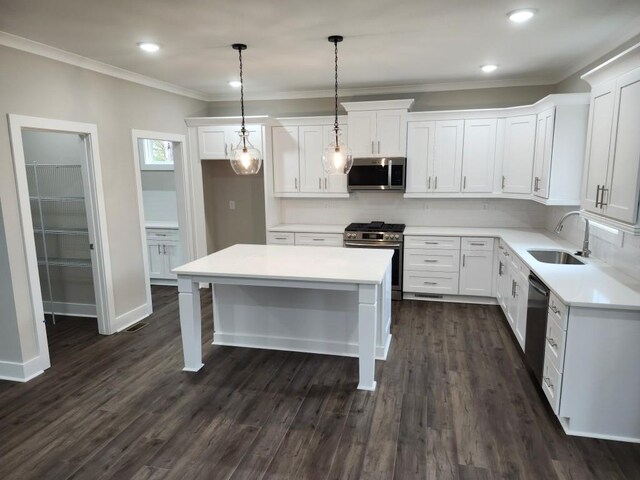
{"x":318,"y":300}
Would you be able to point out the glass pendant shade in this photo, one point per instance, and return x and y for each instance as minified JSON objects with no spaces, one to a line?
{"x":245,"y":158}
{"x":336,"y":157}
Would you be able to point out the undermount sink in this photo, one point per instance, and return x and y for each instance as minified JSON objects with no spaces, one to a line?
{"x":555,"y":256}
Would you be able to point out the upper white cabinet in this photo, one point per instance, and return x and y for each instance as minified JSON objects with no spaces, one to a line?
{"x":542,"y":159}
{"x":420,"y":145}
{"x":478,"y":158}
{"x":447,"y":156}
{"x":297,"y":161}
{"x":612,"y":170}
{"x":216,"y":142}
{"x":378,"y":129}
{"x":519,"y":147}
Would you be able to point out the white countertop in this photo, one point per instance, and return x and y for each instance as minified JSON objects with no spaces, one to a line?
{"x":161,"y":224}
{"x":594,"y":284}
{"x":304,"y":228}
{"x":286,"y":262}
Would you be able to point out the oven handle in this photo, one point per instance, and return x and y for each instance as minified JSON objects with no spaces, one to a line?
{"x":373,"y":245}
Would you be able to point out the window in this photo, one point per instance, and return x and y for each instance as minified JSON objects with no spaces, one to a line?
{"x":156,"y":155}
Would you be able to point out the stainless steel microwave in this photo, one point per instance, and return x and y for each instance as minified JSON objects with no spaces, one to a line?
{"x":387,"y":173}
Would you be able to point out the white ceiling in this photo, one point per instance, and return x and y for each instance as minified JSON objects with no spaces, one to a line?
{"x":411,"y":44}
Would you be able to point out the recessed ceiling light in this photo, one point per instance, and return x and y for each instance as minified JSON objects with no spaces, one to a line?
{"x":235,"y":83}
{"x":522,"y":15}
{"x":149,"y":47}
{"x":488,"y":68}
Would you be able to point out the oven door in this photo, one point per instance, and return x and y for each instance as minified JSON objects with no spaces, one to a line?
{"x":396,"y":261}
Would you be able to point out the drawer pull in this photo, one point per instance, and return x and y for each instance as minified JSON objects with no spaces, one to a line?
{"x":431,"y":261}
{"x":160,"y":234}
{"x":548,"y":383}
{"x":479,"y":244}
{"x":431,"y":243}
{"x":430,"y":283}
{"x":281,"y":238}
{"x":554,"y":309}
{"x":318,"y":239}
{"x":552,"y":342}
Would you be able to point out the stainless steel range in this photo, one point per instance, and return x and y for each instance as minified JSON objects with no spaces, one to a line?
{"x":380,"y":235}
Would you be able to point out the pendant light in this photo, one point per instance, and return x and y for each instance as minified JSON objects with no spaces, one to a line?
{"x":336,"y":158}
{"x":245,"y":158}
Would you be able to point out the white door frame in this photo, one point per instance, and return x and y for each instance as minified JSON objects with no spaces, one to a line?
{"x":183,"y":194}
{"x":96,"y":218}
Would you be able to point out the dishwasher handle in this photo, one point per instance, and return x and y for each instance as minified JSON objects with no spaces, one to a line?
{"x":538,"y":286}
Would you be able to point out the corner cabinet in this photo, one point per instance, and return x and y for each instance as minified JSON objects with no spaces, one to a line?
{"x":378,"y":129}
{"x":519,"y":148}
{"x":612,"y":172}
{"x":297,"y":160}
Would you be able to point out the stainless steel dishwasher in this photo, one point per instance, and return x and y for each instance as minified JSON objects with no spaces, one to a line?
{"x":536,"y":336}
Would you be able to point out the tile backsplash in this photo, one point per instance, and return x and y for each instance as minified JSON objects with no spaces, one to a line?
{"x":624,"y":257}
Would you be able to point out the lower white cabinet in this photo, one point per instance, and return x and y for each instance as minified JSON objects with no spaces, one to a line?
{"x":438,"y":266}
{"x":476,"y":272}
{"x":319,"y":239}
{"x":280,"y":238}
{"x":164,"y":253}
{"x":512,"y":290}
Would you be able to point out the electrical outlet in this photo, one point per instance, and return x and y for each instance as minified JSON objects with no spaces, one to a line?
{"x":232,"y":204}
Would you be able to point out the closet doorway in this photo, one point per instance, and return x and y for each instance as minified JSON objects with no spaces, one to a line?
{"x":163,"y":188}
{"x":58,"y":179}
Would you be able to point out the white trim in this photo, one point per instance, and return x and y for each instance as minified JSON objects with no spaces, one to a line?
{"x":21,"y":372}
{"x":577,"y":433}
{"x":324,"y":347}
{"x":71,"y":309}
{"x":426,"y":297}
{"x":609,"y":222}
{"x":36,"y":48}
{"x":183,"y":194}
{"x":215,"y":121}
{"x":132,"y":316}
{"x":403,"y":104}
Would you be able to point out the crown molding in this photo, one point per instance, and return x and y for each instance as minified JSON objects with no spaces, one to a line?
{"x":36,"y":48}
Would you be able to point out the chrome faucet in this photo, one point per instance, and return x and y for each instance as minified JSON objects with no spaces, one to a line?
{"x":585,"y":243}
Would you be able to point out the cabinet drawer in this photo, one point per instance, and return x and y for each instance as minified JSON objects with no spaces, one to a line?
{"x":554,"y":348}
{"x":559,"y":310}
{"x":441,"y":283}
{"x":280,"y":238}
{"x":163,"y":234}
{"x":443,"y":243}
{"x":432,"y":260}
{"x":477,"y":243}
{"x":319,"y":239}
{"x":551,"y":384}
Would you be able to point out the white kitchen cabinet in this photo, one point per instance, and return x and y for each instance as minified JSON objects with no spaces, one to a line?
{"x":216,"y":142}
{"x":612,"y":170}
{"x":312,"y":175}
{"x":433,"y":260}
{"x":447,"y":157}
{"x":164,"y":254}
{"x":478,"y":156}
{"x":280,"y":238}
{"x":503,"y":286}
{"x":420,"y":146}
{"x":476,"y":272}
{"x":519,"y":148}
{"x":286,"y":159}
{"x":434,"y":156}
{"x":543,"y":151}
{"x":378,"y":133}
{"x":318,"y":239}
{"x":521,"y":298}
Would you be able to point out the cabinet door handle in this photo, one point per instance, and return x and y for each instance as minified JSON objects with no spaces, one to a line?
{"x":503,"y":181}
{"x":602,"y":204}
{"x":325,"y":183}
{"x":226,"y":154}
{"x":435,"y":185}
{"x":500,"y":269}
{"x":464,"y":182}
{"x":548,"y":383}
{"x":429,"y":183}
{"x":464,"y":259}
{"x":513,"y":288}
{"x":552,"y":342}
{"x":295,"y":183}
{"x":598,"y":188}
{"x":164,"y":249}
{"x":378,"y":146}
{"x":159,"y":252}
{"x":372,"y":147}
{"x":535,"y":184}
{"x":319,"y":183}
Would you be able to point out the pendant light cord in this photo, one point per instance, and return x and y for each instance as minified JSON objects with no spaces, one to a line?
{"x":335,"y":123}
{"x":243,"y":130}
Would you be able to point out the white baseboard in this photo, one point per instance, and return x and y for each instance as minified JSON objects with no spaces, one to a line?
{"x":71,"y":309}
{"x":604,"y":436}
{"x":132,"y":316}
{"x":450,"y":298}
{"x":164,"y":281}
{"x":20,"y":372}
{"x":296,"y":344}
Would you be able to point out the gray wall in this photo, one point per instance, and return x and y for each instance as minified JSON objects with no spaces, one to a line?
{"x":36,"y":86}
{"x":244,"y":224}
{"x":478,"y":98}
{"x":9,"y":334}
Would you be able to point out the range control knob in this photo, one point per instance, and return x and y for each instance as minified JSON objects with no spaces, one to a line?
{"x":386,"y":236}
{"x":396,"y":237}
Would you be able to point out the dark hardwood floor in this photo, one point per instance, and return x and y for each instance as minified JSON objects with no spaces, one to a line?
{"x":453,"y":401}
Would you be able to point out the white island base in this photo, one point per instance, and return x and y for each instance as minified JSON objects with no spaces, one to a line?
{"x":327,"y":301}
